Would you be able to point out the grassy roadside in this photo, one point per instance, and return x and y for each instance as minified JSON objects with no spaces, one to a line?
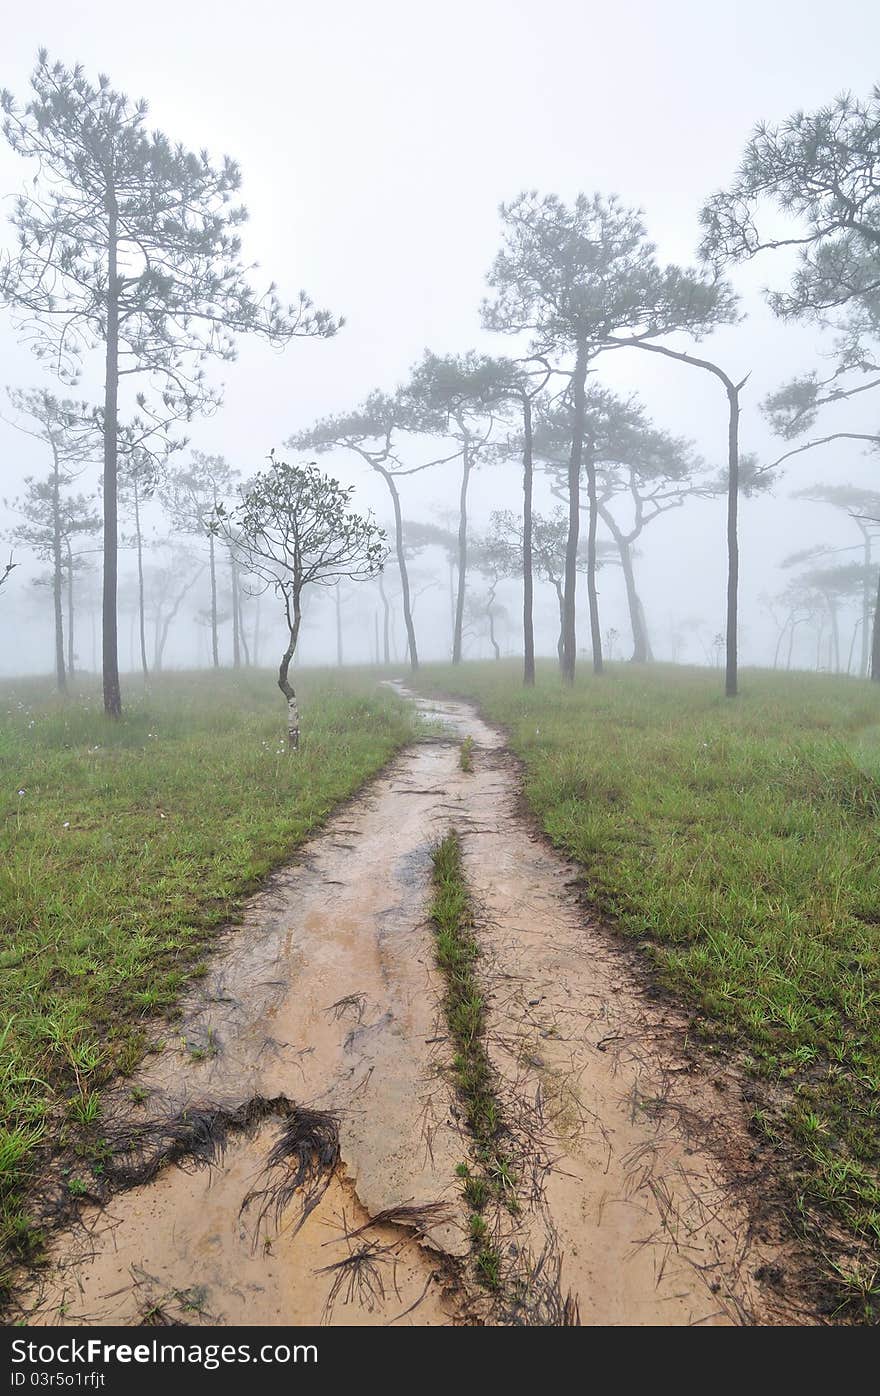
{"x":739,"y":843}
{"x":123,"y":848}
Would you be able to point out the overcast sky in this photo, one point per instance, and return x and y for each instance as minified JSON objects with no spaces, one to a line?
{"x":376,"y":141}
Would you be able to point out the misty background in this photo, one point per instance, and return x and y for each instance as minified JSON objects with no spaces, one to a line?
{"x":376,"y":143}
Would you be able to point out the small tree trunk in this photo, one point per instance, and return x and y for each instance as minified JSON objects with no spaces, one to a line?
{"x":528,"y":575}
{"x":215,"y":640}
{"x":404,"y":574}
{"x":257,"y":633}
{"x":462,"y":555}
{"x":109,"y":636}
{"x":284,"y":683}
{"x":492,"y":640}
{"x":569,"y":623}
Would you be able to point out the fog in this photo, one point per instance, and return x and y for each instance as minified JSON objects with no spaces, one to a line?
{"x":376,"y":144}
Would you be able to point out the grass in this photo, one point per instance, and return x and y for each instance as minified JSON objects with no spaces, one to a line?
{"x":124,"y":847}
{"x":457,"y":953}
{"x":739,"y":844}
{"x":466,"y":755}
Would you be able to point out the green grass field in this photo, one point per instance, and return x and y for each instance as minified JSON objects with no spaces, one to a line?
{"x":739,"y":844}
{"x":124,"y":847}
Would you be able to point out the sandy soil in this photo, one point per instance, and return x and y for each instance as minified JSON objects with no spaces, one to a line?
{"x":632,"y":1161}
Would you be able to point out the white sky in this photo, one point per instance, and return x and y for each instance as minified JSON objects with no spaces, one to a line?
{"x":376,"y":141}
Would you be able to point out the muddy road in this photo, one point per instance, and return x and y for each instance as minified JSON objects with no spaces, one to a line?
{"x":320,"y":1023}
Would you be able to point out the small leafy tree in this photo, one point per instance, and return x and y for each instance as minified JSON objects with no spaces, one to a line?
{"x":295,"y":529}
{"x":130,"y":244}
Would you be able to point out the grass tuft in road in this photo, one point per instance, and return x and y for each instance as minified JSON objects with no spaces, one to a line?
{"x":457,"y":953}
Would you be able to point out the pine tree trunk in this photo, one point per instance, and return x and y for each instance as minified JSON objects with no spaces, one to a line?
{"x":462,"y":556}
{"x":641,"y":644}
{"x":528,"y":573}
{"x":569,"y":621}
{"x":404,"y":574}
{"x":109,"y":635}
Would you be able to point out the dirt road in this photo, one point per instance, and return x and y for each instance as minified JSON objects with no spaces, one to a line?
{"x":629,"y":1158}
